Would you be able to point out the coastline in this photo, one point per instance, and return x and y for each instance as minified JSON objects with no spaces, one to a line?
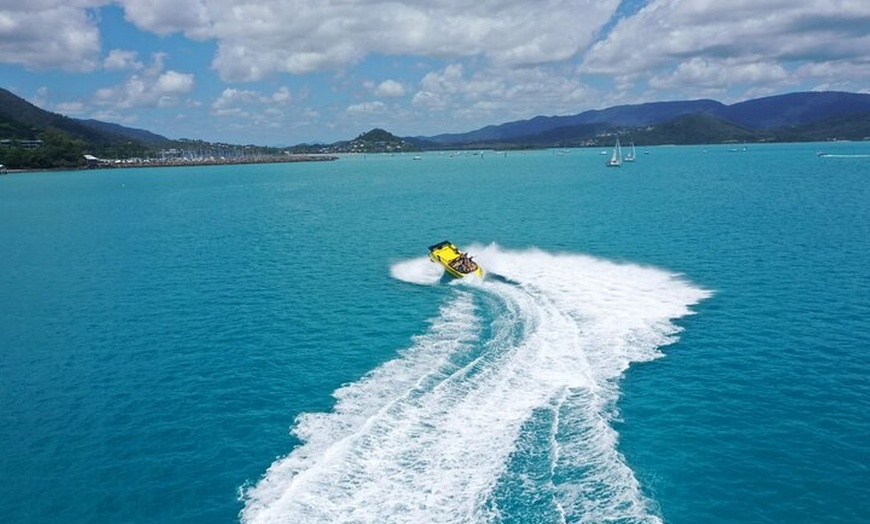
{"x":178,"y":162}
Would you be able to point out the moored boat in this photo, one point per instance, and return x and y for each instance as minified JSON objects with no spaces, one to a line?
{"x":616,"y":159}
{"x":631,"y":154}
{"x":456,"y":263}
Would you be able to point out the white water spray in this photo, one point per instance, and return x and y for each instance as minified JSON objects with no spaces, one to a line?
{"x":431,"y":435}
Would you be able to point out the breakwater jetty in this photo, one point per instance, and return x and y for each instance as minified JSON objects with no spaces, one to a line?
{"x":102,"y":163}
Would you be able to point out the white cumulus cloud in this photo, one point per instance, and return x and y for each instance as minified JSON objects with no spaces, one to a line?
{"x":367,"y":107}
{"x":119,"y":59}
{"x":390,"y":88}
{"x":258,"y":39}
{"x":153,"y":87}
{"x":703,"y":45}
{"x":49,"y":34}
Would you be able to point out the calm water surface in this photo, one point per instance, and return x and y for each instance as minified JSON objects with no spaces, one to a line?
{"x":679,"y":340}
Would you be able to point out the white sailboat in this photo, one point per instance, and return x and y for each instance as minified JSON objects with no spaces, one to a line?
{"x":616,"y":158}
{"x":631,"y":154}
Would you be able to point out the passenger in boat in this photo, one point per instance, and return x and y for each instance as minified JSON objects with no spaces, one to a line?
{"x":464,"y":263}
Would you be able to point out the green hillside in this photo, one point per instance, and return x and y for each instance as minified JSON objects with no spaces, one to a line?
{"x":695,"y":129}
{"x":32,"y":138}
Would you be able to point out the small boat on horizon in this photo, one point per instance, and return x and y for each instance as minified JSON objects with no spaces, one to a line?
{"x":456,"y":263}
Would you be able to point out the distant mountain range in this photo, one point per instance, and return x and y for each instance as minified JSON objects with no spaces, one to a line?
{"x":790,"y":117}
{"x":808,"y":116}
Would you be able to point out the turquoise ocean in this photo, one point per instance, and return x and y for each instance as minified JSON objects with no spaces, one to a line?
{"x":682,"y":340}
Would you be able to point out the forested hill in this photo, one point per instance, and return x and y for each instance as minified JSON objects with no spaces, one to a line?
{"x":789,"y":117}
{"x":19,"y":119}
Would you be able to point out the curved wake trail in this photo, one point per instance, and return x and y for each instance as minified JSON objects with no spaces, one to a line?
{"x":500,"y":411}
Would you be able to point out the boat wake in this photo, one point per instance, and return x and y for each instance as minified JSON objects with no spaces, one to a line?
{"x":500,"y":411}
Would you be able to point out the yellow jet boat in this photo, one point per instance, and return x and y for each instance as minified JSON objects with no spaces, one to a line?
{"x":456,"y":263}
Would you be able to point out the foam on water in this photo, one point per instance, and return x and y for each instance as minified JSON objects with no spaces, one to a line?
{"x":510,"y":391}
{"x":417,"y":271}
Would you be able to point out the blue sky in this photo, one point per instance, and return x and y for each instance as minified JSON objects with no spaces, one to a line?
{"x":284,"y":72}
